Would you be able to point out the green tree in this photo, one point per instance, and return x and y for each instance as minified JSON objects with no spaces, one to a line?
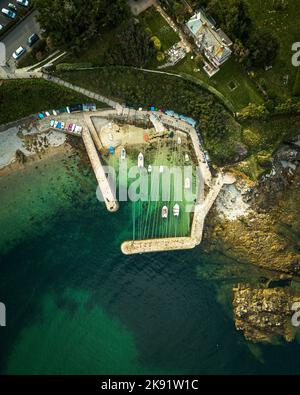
{"x":253,"y":111}
{"x":232,"y":15}
{"x":133,"y":47}
{"x":70,"y":24}
{"x":263,"y":48}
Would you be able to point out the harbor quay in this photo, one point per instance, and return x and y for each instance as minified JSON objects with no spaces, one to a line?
{"x":100,"y":132}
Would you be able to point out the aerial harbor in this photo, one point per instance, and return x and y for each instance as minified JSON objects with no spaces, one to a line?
{"x":149,"y":183}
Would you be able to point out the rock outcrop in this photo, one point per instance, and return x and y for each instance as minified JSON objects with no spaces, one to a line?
{"x":264,"y":314}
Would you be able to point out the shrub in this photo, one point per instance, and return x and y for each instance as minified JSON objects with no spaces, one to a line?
{"x":156,"y":43}
{"x":160,"y":56}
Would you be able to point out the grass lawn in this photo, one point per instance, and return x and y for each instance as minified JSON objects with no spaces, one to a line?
{"x":20,"y":98}
{"x":285,"y":27}
{"x":232,"y":81}
{"x":153,"y":21}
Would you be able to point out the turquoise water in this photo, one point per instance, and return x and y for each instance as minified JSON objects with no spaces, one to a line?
{"x":76,"y":305}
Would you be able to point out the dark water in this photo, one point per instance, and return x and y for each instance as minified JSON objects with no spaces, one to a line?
{"x":75,"y":304}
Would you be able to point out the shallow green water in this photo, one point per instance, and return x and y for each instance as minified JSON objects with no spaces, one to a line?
{"x":75,"y":304}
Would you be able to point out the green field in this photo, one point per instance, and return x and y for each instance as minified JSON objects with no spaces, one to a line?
{"x":35,"y":96}
{"x":284,"y":25}
{"x":153,"y":22}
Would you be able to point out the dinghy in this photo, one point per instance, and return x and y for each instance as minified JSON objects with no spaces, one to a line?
{"x":123,"y":153}
{"x":164,"y":212}
{"x":141,"y":160}
{"x":176,"y":210}
{"x":149,"y":169}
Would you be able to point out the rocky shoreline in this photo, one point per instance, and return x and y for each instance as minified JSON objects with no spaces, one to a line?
{"x":265,"y":314}
{"x":265,"y":233}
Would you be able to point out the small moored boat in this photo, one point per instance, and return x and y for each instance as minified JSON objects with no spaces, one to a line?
{"x":187,"y":183}
{"x":164,"y":212}
{"x":176,"y":210}
{"x":123,"y":153}
{"x":161,"y":169}
{"x":149,"y":169}
{"x":141,"y":160}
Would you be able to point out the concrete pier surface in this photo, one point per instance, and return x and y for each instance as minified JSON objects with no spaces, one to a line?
{"x":106,"y":190}
{"x":157,"y":245}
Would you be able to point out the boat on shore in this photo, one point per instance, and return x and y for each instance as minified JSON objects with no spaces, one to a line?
{"x":164,"y":212}
{"x":140,"y":160}
{"x":149,"y":169}
{"x":179,"y":141}
{"x":187,"y":158}
{"x":176,"y":210}
{"x":187,"y":183}
{"x":161,"y":169}
{"x":123,"y":153}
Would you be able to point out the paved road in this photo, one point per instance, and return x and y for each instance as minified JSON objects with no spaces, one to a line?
{"x":18,"y":36}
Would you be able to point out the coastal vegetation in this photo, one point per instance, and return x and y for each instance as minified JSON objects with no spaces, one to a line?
{"x":71,"y":26}
{"x":137,"y":88}
{"x":227,"y":140}
{"x":20,"y":98}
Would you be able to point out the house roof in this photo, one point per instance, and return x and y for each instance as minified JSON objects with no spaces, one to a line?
{"x":215,"y":42}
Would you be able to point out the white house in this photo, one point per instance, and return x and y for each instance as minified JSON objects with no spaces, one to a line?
{"x":212,"y":42}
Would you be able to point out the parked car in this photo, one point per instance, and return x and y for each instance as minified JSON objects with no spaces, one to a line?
{"x":12,"y":6}
{"x":71,"y":127}
{"x":24,"y":3}
{"x":18,"y":53}
{"x":32,"y":39}
{"x":9,"y":13}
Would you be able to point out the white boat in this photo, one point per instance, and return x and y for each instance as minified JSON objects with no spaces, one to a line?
{"x":187,"y":183}
{"x":176,"y":210}
{"x":141,"y":160}
{"x":161,"y":169}
{"x":123,"y":153}
{"x":179,"y":141}
{"x":164,"y":212}
{"x":187,"y":158}
{"x":149,"y":169}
